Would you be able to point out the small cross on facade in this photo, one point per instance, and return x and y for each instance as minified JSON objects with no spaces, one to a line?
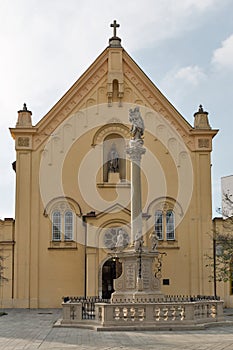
{"x":114,"y":25}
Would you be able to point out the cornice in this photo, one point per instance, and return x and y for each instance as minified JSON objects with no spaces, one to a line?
{"x":23,"y":131}
{"x":204,"y":132}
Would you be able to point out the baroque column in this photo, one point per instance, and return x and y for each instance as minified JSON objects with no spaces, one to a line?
{"x":139,"y":281}
{"x":135,"y":152}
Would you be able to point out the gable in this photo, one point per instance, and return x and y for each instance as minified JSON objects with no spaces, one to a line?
{"x":94,"y":87}
{"x":113,"y":78}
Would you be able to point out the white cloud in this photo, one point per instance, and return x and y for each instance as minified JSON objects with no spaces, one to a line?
{"x":184,"y":84}
{"x":155,"y":21}
{"x":178,"y":81}
{"x":190,"y":74}
{"x":223,"y":56}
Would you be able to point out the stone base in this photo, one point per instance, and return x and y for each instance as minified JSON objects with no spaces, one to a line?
{"x":160,"y":314}
{"x":113,"y":178}
{"x":145,"y":316}
{"x":129,"y":287}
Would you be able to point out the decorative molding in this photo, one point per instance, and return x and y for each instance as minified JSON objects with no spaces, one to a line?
{"x":203,"y":143}
{"x":63,"y":245}
{"x":58,"y":116}
{"x":62,"y":204}
{"x":23,"y":141}
{"x":123,"y":184}
{"x":113,"y":209}
{"x":116,"y":128}
{"x":164,"y":204}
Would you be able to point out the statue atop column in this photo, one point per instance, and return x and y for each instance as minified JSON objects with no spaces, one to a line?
{"x":137,"y":128}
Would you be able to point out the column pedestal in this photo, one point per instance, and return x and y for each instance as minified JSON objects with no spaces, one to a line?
{"x":129,"y":287}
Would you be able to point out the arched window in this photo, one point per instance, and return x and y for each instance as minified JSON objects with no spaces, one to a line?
{"x":56,"y":226}
{"x":165,"y":224}
{"x":159,"y":224}
{"x":62,"y":225}
{"x":68,"y":226}
{"x":170,"y":225}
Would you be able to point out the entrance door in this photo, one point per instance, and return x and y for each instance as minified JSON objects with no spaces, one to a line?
{"x":111,"y":270}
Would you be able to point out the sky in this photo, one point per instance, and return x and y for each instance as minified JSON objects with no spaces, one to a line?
{"x":184,"y":46}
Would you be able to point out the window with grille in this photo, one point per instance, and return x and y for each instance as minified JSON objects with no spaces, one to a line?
{"x":159,"y":224}
{"x":56,"y":228}
{"x":165,"y":225}
{"x":170,"y":225}
{"x":68,"y":226}
{"x":62,"y":225}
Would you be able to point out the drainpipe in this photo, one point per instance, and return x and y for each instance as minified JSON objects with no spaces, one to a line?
{"x":214,"y":258}
{"x":85,"y":255}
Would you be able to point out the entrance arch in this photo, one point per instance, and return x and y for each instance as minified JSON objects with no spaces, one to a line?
{"x":111,"y":270}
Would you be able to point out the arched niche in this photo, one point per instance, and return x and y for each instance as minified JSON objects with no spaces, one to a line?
{"x":114,"y":156}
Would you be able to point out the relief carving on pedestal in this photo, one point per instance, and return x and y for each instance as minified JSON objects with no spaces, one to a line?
{"x":130,"y":276}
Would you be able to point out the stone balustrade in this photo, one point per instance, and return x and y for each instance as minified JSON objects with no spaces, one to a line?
{"x":145,"y":315}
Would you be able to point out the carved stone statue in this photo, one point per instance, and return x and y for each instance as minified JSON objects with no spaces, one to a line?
{"x":138,"y":243}
{"x":154,"y":241}
{"x":113,"y":160}
{"x":137,"y":128}
{"x":120,"y":239}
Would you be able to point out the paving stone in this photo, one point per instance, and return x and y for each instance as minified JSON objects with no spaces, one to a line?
{"x":33,"y":329}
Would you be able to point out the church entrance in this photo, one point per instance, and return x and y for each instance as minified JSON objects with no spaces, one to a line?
{"x":111,"y":270}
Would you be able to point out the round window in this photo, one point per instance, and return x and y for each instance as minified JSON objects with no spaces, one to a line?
{"x":116,"y":237}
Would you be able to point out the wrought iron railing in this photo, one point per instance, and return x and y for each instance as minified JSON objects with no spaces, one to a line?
{"x":88,"y":305}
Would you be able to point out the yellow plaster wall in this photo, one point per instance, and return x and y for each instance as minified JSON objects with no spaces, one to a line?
{"x":44,"y":272}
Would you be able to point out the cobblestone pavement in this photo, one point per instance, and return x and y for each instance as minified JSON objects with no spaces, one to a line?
{"x":32,"y":329}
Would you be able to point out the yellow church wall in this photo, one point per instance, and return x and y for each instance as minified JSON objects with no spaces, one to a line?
{"x":22,"y":228}
{"x":61,"y":264}
{"x":48,"y":285}
{"x":62,"y":161}
{"x":61,"y":274}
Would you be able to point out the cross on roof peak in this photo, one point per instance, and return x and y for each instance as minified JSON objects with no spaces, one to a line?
{"x":114,"y":25}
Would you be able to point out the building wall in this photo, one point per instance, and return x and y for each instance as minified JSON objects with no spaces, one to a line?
{"x":60,"y":162}
{"x":7,"y":255}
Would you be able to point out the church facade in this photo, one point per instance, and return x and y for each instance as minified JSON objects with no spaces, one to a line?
{"x":73,"y":189}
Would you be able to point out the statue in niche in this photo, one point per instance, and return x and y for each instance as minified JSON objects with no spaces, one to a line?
{"x":113,"y":160}
{"x":137,"y":128}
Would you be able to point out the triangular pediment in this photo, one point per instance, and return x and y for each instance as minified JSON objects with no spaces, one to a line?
{"x":95,"y":88}
{"x":116,"y":208}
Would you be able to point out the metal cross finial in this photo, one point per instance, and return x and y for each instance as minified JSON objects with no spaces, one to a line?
{"x":114,"y":25}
